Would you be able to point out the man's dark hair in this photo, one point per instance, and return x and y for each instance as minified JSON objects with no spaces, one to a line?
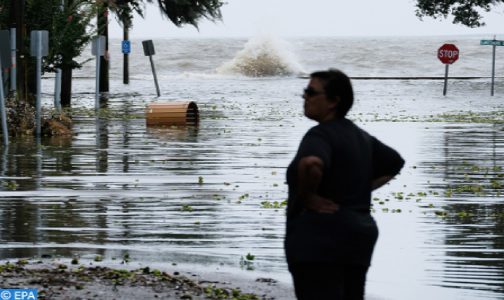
{"x":337,"y":84}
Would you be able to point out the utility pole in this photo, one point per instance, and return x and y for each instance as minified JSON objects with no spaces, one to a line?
{"x":126,"y":25}
{"x":103,"y":30}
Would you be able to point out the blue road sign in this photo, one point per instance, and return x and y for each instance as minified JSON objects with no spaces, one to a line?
{"x":492,"y":42}
{"x":126,"y":47}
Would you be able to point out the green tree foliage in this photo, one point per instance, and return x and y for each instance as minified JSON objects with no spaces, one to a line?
{"x":69,"y":29}
{"x":189,"y":11}
{"x":4,"y":14}
{"x":124,"y":10}
{"x":179,"y":12}
{"x":466,"y":12}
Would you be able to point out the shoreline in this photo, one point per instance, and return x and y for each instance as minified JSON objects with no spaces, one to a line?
{"x":65,"y":279}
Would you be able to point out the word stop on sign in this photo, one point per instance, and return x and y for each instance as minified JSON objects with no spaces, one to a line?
{"x":450,"y":54}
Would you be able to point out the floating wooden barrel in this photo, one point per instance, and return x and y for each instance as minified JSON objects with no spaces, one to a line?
{"x":172,"y":113}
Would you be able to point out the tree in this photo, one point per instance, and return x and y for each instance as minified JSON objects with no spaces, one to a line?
{"x":12,"y":16}
{"x":102,"y":23}
{"x":189,"y":11}
{"x":69,"y":29}
{"x":179,"y":12}
{"x":69,"y":33}
{"x":124,"y":11}
{"x":466,"y":12}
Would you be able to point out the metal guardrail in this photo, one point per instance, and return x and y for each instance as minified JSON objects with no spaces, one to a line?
{"x":411,"y":77}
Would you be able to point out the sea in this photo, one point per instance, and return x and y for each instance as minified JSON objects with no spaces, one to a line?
{"x":211,"y":198}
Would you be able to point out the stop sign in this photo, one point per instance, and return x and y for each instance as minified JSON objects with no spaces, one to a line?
{"x":448,"y":53}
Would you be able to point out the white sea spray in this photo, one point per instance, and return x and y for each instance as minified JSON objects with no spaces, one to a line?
{"x":263,"y":56}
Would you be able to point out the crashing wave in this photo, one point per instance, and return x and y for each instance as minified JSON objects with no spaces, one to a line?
{"x":263,"y":56}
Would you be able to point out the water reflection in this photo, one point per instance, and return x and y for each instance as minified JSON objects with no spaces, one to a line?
{"x":59,"y":156}
{"x":472,"y":218}
{"x":5,"y":153}
{"x":102,"y":144}
{"x":19,"y":167}
{"x":187,"y":134}
{"x":118,"y":184}
{"x":196,"y":194}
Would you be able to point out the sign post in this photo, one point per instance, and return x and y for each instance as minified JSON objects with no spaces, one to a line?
{"x":126,"y":50}
{"x":494,"y":43}
{"x":98,"y":50}
{"x":447,"y":54}
{"x":4,"y":65}
{"x":5,"y":131}
{"x":148,"y":48}
{"x":39,"y":46}
{"x":57,"y":91}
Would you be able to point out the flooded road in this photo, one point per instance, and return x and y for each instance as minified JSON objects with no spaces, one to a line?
{"x":209,"y":196}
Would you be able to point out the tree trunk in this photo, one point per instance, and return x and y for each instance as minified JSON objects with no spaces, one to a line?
{"x":104,"y":60}
{"x":66,"y":86}
{"x":66,"y":76}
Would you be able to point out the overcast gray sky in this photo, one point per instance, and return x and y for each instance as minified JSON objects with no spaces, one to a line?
{"x":287,"y":18}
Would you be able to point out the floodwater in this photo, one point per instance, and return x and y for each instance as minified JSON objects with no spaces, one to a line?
{"x":208,"y":196}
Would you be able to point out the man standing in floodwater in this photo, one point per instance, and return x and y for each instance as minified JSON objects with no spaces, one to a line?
{"x":330,"y":232}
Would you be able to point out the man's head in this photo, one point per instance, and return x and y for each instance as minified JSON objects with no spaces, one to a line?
{"x":336,"y":87}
